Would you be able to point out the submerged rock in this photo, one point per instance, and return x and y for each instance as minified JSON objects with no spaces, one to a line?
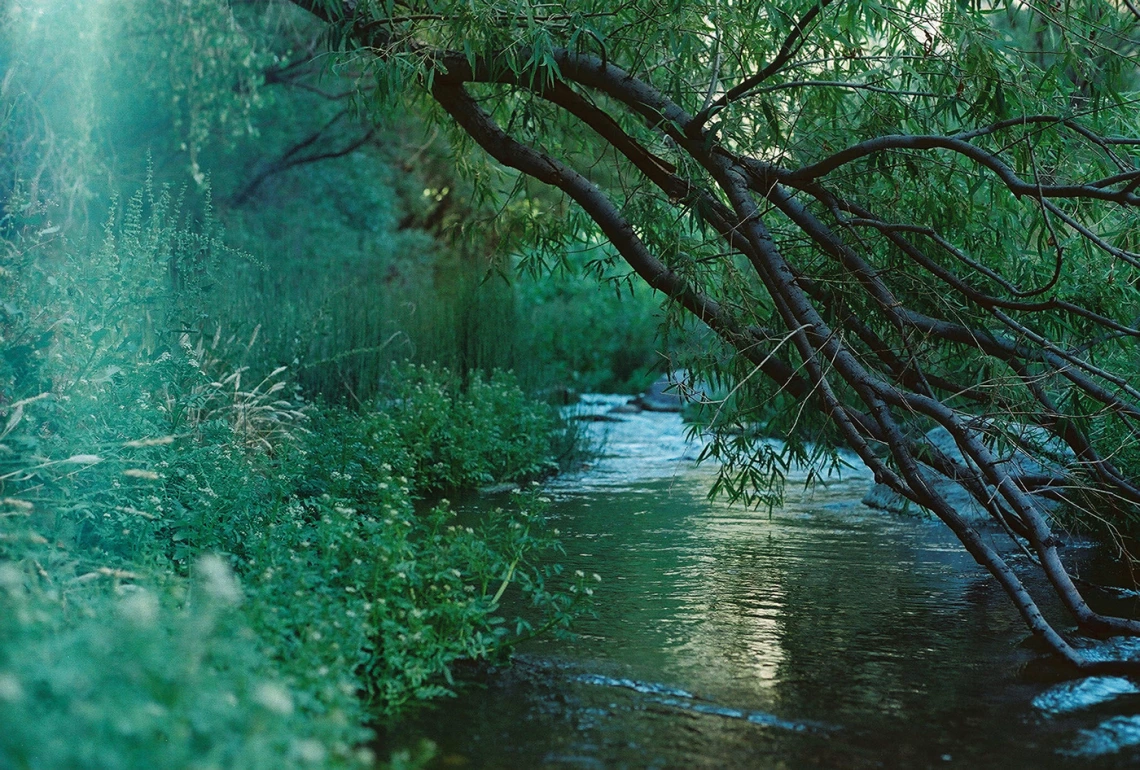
{"x":499,"y":489}
{"x":661,"y":396}
{"x":1068,"y":697}
{"x":607,"y":417}
{"x":670,"y":393}
{"x":1109,"y":737}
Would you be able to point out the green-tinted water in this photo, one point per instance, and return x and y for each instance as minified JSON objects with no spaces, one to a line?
{"x":824,"y":635}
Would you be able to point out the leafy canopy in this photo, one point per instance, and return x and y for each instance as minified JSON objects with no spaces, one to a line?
{"x":901,"y":216}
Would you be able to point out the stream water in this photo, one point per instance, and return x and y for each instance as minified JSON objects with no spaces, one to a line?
{"x":824,"y":634}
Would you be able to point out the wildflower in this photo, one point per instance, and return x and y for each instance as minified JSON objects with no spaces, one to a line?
{"x":140,"y":608}
{"x":217,"y":580}
{"x":10,"y":689}
{"x":273,"y":697}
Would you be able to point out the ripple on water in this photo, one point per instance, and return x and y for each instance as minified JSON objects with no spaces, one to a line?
{"x":647,"y":446}
{"x":648,"y":688}
{"x":677,"y":698}
{"x":1126,"y":647}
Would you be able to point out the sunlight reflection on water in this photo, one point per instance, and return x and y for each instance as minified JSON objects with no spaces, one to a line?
{"x":822,"y":634}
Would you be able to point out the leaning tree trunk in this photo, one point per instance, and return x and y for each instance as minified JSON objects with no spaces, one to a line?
{"x":861,"y":369}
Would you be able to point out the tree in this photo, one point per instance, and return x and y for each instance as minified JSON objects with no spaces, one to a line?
{"x":895,"y":212}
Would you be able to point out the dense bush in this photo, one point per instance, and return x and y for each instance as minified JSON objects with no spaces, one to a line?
{"x":457,"y":437}
{"x":588,"y":334}
{"x":200,"y":569}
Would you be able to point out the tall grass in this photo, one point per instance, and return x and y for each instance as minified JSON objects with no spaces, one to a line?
{"x":200,"y":568}
{"x":342,"y":322}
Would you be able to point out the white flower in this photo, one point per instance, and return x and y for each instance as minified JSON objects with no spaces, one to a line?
{"x":11,"y":578}
{"x":273,"y":697}
{"x":10,"y":689}
{"x":309,"y":751}
{"x":217,"y":579}
{"x":139,"y":608}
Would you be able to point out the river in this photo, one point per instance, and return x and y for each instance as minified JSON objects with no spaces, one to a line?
{"x":822,"y":634}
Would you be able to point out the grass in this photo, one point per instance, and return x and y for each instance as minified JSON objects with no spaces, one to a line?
{"x":201,"y":568}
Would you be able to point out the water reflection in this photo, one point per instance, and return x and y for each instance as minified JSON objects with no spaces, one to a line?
{"x":822,"y":635}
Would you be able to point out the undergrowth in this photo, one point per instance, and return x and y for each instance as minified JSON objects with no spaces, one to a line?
{"x":200,"y":568}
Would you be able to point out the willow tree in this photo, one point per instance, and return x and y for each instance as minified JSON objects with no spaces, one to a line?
{"x":900,"y":216}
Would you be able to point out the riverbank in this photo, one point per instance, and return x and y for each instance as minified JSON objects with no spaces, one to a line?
{"x":190,"y":579}
{"x":821,"y":634}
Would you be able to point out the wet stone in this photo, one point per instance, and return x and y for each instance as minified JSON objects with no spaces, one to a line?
{"x":1069,"y":697}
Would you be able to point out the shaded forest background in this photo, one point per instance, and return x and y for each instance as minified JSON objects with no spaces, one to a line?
{"x":248,"y":341}
{"x":351,"y":243}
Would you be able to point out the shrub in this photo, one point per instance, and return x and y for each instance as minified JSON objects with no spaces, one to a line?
{"x":189,"y":577}
{"x":115,"y":675}
{"x":491,"y":432}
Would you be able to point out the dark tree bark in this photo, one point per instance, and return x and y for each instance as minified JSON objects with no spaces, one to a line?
{"x":860,"y":370}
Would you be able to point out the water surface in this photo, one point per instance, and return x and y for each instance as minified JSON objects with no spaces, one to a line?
{"x":822,"y":634}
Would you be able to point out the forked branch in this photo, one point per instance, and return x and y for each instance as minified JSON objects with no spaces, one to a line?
{"x":855,"y":337}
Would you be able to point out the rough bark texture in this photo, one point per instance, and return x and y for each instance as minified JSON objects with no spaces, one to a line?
{"x":870,"y":384}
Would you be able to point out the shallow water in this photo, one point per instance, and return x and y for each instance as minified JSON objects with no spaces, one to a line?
{"x":824,"y":634}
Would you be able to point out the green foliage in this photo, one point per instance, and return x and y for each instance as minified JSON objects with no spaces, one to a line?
{"x":769,"y":92}
{"x":590,"y":336}
{"x":459,"y":437}
{"x":198,"y":568}
{"x":380,"y":254}
{"x":109,"y":670}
